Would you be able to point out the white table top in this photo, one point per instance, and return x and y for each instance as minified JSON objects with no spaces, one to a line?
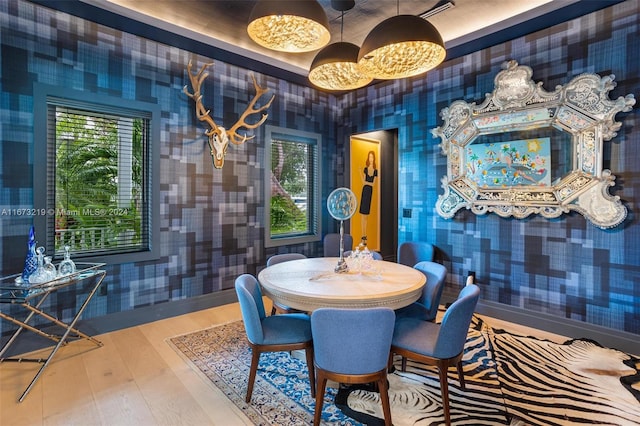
{"x":309,"y":284}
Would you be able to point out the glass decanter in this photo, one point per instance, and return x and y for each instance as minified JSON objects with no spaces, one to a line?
{"x":40,"y":275}
{"x":353,"y":261}
{"x":31,"y":260}
{"x":49,"y":269}
{"x":365,"y":260}
{"x":66,"y":267}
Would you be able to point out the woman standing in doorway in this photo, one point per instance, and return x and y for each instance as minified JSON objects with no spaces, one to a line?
{"x":368,"y":179}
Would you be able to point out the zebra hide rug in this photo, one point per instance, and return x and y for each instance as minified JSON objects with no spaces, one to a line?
{"x":510,"y":380}
{"x":514,"y":380}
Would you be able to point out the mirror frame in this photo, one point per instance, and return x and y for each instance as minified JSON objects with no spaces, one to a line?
{"x":581,"y":108}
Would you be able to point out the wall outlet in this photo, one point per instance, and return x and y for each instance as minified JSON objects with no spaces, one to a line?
{"x":406,"y":212}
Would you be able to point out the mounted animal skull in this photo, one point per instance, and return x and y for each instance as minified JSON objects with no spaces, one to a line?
{"x":219,"y":137}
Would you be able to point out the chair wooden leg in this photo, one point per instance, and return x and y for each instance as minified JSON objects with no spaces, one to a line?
{"x":404,"y":364}
{"x":443,"y":366}
{"x":390,"y":363}
{"x":322,"y":383}
{"x":460,"y":374}
{"x":255,"y":359}
{"x":384,"y":397}
{"x":312,"y":374}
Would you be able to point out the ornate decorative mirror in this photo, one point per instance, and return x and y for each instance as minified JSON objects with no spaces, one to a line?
{"x":528,"y":151}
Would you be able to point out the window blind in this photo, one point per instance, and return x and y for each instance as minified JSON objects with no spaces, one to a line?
{"x":98,"y":179}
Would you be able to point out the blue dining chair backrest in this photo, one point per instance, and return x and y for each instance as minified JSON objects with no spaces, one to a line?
{"x":426,"y":307}
{"x":432,"y":292}
{"x":284,"y":257}
{"x":412,"y":252}
{"x":251,"y":306}
{"x":274,"y":260}
{"x":455,"y":323}
{"x":331,"y":244}
{"x":352,"y":341}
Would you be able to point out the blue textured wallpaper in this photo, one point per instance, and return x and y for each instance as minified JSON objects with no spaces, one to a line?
{"x":212,"y":220}
{"x":564,"y":267}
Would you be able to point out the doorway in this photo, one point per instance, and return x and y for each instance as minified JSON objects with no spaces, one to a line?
{"x":373,"y":163}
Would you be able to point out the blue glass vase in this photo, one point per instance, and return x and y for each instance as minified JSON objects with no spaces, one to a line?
{"x":31,"y":261}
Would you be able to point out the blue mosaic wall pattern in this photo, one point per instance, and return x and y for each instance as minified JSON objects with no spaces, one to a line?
{"x":211,"y":226}
{"x":212,"y":220}
{"x":564,"y":267}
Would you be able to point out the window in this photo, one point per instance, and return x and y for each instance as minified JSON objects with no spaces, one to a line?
{"x":96,"y":184}
{"x":292,"y":186}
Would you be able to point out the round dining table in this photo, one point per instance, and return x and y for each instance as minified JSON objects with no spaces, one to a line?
{"x":312,"y":283}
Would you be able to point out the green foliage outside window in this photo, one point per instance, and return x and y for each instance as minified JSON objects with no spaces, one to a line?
{"x":286,"y":217}
{"x":289,"y":168}
{"x":92,"y":211}
{"x":292,"y":186}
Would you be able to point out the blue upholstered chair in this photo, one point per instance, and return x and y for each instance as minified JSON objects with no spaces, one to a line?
{"x":274,"y":333}
{"x":441,"y":344}
{"x":352,"y":346}
{"x":279,"y":258}
{"x":412,"y":252}
{"x":374,"y":254}
{"x":426,"y":307}
{"x":331,"y":244}
{"x":285,"y":257}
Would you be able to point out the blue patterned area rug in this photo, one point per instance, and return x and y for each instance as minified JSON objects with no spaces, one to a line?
{"x":510,"y":380}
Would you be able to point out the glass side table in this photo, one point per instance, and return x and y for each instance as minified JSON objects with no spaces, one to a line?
{"x":87,"y":276}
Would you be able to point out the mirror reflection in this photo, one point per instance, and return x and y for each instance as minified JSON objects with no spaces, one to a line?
{"x":527,"y":151}
{"x":538,"y":157}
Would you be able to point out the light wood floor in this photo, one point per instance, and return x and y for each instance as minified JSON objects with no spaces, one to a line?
{"x":136,"y":378}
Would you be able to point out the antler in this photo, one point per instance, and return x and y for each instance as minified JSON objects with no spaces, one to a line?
{"x":234,"y":137}
{"x":219,"y":137}
{"x":196,"y":83}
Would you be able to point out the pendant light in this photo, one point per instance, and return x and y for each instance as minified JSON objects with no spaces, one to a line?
{"x":335,"y":66}
{"x":289,"y":26}
{"x":401,"y":46}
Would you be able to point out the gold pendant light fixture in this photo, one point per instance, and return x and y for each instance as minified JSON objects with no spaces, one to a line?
{"x":335,"y":66}
{"x":289,"y":26}
{"x":398,"y":47}
{"x":401,"y":46}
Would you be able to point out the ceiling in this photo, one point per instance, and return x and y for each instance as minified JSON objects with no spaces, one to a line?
{"x":222,"y":24}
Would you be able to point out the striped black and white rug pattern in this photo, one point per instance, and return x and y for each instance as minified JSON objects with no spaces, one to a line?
{"x":514,"y":380}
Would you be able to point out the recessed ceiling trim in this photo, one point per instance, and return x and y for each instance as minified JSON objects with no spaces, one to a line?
{"x":182,"y":31}
{"x":127,"y":20}
{"x":514,"y":22}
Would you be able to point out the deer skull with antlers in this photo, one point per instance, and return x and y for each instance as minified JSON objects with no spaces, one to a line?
{"x":219,"y":137}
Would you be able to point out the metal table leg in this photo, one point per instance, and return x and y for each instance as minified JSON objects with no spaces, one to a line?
{"x":24,"y":324}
